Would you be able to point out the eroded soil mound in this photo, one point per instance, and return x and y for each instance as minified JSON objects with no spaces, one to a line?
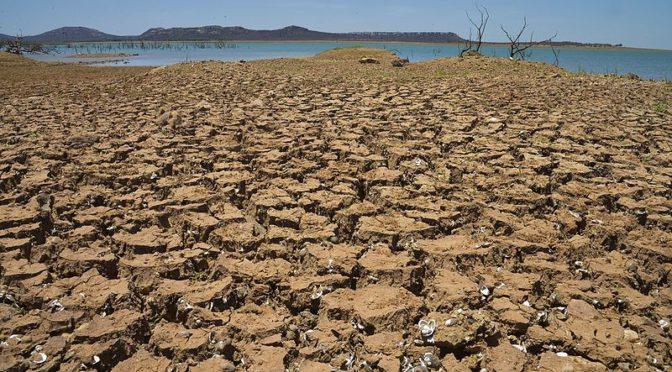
{"x":321,"y":213}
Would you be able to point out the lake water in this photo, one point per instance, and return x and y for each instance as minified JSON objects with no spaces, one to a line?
{"x":649,"y":64}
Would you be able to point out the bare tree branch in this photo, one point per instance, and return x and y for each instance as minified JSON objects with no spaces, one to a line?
{"x":556,"y":54}
{"x":18,"y":46}
{"x":468,"y":45}
{"x":519,"y":50}
{"x":480,"y":28}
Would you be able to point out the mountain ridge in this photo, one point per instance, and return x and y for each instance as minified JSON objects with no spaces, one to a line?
{"x":237,"y":33}
{"x":77,"y":33}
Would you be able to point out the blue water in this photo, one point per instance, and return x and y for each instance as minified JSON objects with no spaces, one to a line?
{"x":649,"y":64}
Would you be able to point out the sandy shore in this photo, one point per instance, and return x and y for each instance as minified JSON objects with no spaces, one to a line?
{"x":318,"y":213}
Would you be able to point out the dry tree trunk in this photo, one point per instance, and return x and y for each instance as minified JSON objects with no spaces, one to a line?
{"x":480,"y":31}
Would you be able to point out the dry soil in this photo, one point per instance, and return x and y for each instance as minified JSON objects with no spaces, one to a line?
{"x":319,"y":214}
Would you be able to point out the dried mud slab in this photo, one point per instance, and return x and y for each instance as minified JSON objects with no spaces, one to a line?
{"x":323,"y":214}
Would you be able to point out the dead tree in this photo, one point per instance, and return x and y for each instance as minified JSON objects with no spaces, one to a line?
{"x":468,"y":45}
{"x":520,"y":50}
{"x":18,"y":46}
{"x":556,"y":54}
{"x":480,"y":27}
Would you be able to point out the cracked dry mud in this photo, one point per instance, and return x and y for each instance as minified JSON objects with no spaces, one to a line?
{"x":321,"y":214}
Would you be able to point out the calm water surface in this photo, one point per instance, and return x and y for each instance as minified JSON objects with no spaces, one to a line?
{"x":648,"y":64}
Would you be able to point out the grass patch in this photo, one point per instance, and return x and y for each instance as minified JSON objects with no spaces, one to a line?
{"x":540,"y":140}
{"x":355,"y":53}
{"x":198,"y":277}
{"x":660,"y":106}
{"x":349,"y":47}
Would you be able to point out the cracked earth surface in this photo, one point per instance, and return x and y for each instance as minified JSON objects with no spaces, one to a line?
{"x":319,"y":214}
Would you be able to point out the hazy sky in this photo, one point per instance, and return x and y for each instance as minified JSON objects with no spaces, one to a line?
{"x":641,"y":23}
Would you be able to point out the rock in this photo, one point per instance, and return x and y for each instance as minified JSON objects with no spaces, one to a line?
{"x":171,"y":119}
{"x":368,"y":60}
{"x":400,"y":62}
{"x":203,"y":106}
{"x":632,"y":76}
{"x":82,"y":140}
{"x":630,"y":335}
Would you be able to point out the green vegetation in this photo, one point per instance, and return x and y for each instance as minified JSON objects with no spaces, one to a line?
{"x":198,"y":276}
{"x":660,"y":106}
{"x":539,"y":139}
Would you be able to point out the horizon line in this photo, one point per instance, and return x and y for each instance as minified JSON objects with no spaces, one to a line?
{"x":584,"y":43}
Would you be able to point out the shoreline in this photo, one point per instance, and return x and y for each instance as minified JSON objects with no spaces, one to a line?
{"x":497,"y":51}
{"x":100,"y":55}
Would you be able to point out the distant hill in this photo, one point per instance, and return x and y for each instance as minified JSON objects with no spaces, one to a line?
{"x":5,"y":37}
{"x":291,"y":33}
{"x":65,"y":34}
{"x":231,"y":33}
{"x":220,"y":33}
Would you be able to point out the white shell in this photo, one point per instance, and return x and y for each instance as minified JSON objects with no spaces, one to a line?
{"x":450,"y":322}
{"x":427,"y":328}
{"x":42,"y":357}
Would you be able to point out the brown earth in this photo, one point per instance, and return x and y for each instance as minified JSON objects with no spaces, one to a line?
{"x":311,"y":214}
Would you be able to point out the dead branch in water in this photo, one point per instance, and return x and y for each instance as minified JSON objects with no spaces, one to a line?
{"x":19,"y":46}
